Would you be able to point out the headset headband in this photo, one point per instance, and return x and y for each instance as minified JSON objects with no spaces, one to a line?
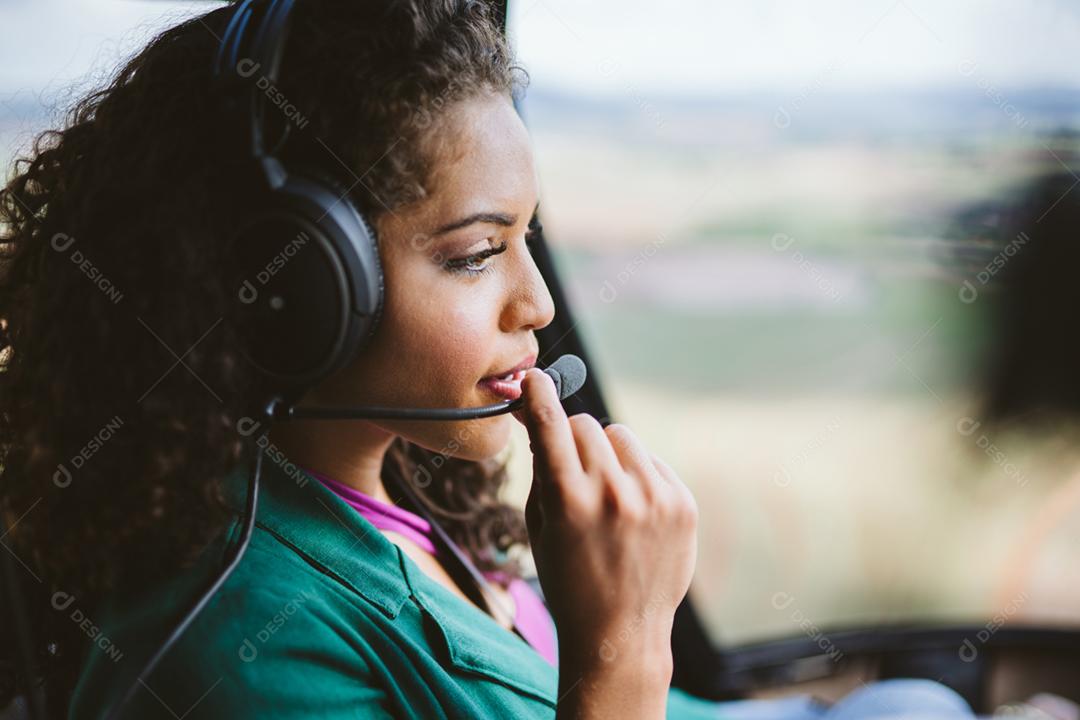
{"x":322,"y":302}
{"x":263,"y":55}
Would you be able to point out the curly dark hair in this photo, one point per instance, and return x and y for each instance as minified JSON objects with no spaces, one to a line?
{"x":120,"y":388}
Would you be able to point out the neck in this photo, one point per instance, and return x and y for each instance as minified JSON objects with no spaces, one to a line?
{"x":350,"y":452}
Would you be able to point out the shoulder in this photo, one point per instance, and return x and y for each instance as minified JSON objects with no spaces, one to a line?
{"x":280,"y":639}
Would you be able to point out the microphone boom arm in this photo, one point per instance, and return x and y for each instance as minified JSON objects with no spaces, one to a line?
{"x":568,"y":374}
{"x":314,"y":412}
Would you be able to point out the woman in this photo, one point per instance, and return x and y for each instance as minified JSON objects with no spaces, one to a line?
{"x":125,"y":390}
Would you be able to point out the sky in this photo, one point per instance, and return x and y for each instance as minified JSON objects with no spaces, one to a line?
{"x":51,"y":47}
{"x":785,"y":44}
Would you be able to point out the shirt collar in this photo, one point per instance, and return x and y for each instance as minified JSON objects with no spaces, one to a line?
{"x":307,"y":516}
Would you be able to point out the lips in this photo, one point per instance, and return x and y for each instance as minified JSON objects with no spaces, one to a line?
{"x":507,"y":383}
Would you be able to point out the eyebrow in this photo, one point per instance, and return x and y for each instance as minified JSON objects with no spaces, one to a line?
{"x":494,"y":218}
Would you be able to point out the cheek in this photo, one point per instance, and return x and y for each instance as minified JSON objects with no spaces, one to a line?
{"x":456,"y":323}
{"x":465,"y":336}
{"x":438,"y":343}
{"x":451,"y":344}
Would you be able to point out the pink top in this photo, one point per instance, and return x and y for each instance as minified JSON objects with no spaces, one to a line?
{"x":531,"y":616}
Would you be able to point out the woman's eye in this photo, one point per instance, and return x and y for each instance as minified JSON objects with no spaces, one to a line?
{"x":471,"y":264}
{"x":535,"y":228}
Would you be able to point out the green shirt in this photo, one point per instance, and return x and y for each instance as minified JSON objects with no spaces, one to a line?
{"x":323,"y":617}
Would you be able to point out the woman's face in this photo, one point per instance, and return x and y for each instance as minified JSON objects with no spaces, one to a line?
{"x":444,"y":329}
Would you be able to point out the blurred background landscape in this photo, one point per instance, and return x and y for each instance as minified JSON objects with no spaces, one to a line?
{"x":765,"y":215}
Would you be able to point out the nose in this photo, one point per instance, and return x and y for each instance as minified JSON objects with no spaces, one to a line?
{"x":529,"y":305}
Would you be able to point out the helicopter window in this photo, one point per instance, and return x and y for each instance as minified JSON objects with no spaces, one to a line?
{"x":775,"y":222}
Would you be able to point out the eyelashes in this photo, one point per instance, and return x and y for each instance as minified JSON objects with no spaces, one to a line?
{"x":535,"y":229}
{"x":464,"y":265}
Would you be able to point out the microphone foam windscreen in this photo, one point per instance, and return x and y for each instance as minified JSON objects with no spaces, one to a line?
{"x":568,"y":372}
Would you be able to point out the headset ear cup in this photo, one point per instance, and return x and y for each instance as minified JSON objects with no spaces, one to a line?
{"x":363,"y":241}
{"x":307,"y":282}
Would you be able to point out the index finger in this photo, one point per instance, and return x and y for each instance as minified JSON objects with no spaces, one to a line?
{"x":549,"y":428}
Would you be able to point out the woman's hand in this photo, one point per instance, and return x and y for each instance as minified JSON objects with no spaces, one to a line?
{"x":613,"y":533}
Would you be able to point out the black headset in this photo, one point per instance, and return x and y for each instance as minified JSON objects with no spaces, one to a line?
{"x":304,"y":262}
